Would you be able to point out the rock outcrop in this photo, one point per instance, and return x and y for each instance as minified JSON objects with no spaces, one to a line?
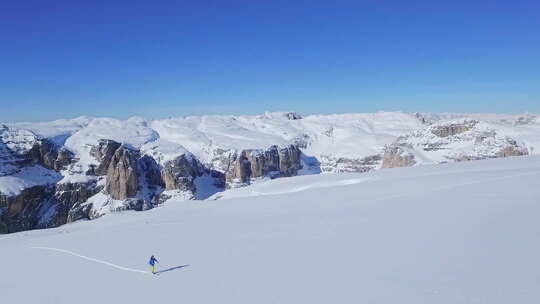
{"x":180,"y":173}
{"x":453,"y":129}
{"x":293,"y":116}
{"x":463,"y":140}
{"x":346,"y":164}
{"x":45,"y":206}
{"x":512,"y":148}
{"x":48,"y":155}
{"x":122,"y":174}
{"x":273,"y":162}
{"x":151,"y":172}
{"x":71,"y":198}
{"x":27,"y":210}
{"x":289,"y":160}
{"x":20,"y":148}
{"x":103,"y":153}
{"x":397,"y":156}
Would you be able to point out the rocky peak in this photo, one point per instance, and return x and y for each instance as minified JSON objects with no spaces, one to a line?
{"x":48,"y":155}
{"x":453,"y":129}
{"x":272,"y":162}
{"x":293,"y":116}
{"x":122,"y":174}
{"x":103,"y":153}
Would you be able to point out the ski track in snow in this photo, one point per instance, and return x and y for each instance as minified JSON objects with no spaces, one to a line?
{"x":92,"y":259}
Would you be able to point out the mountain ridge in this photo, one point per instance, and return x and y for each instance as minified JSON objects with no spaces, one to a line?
{"x":87,"y":167}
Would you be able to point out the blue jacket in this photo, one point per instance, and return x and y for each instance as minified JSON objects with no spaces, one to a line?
{"x":153,"y":261}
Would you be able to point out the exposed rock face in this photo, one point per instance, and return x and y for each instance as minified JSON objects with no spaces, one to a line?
{"x":179,"y":174}
{"x":396,"y":156}
{"x":452,"y":141}
{"x":46,"y":153}
{"x":104,"y":153}
{"x":272,"y":162}
{"x":453,"y":129}
{"x":19,"y":148}
{"x":45,"y":206}
{"x":71,"y":197}
{"x":240,"y":171}
{"x":180,"y":178}
{"x":289,"y":160}
{"x":122,"y":174}
{"x":344,"y":164}
{"x":151,"y":171}
{"x":26,"y":211}
{"x":293,"y":116}
{"x":512,"y":149}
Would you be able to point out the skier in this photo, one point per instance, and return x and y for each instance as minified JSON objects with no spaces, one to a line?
{"x":152,"y":263}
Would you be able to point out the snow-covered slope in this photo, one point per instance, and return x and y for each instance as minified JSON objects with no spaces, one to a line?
{"x":450,"y":233}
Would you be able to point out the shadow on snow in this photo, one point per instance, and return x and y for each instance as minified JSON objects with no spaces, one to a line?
{"x":171,"y":269}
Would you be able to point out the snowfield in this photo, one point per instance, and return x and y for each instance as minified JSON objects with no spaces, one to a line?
{"x":452,"y":233}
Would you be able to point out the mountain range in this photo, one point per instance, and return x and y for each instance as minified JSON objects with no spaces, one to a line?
{"x":52,"y":173}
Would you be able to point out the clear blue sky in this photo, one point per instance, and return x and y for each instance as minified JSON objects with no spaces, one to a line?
{"x":62,"y":59}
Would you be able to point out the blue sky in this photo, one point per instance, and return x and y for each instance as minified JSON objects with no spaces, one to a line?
{"x":156,"y":59}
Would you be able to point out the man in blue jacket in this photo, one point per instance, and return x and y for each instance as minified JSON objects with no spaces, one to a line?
{"x":152,"y":263}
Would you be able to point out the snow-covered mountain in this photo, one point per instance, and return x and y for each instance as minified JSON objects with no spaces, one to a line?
{"x":453,"y":233}
{"x":56,"y":172}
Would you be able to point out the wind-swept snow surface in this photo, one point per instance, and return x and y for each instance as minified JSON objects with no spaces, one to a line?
{"x":451,"y":233}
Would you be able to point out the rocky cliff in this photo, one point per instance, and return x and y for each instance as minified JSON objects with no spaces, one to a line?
{"x":451,"y":141}
{"x":272,"y":162}
{"x":397,"y":156}
{"x":181,"y":172}
{"x":122,"y":174}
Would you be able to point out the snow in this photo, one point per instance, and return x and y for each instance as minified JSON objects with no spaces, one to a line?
{"x":450,"y":233}
{"x":354,"y":136}
{"x":163,"y":150}
{"x":104,"y":204}
{"x":58,"y":131}
{"x":16,"y":141}
{"x":330,"y":143}
{"x":343,"y":135}
{"x":134,"y":132}
{"x":76,"y":178}
{"x":27,"y":177}
{"x":324,"y":137}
